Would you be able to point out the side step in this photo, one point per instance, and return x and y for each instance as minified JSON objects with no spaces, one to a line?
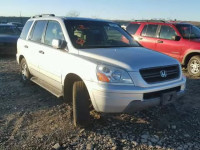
{"x":47,"y":86}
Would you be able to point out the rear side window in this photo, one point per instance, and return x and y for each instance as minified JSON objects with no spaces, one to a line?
{"x":132,"y":28}
{"x":26,"y":30}
{"x":167,"y":32}
{"x":149,"y":30}
{"x":53,"y":31}
{"x":38,"y":30}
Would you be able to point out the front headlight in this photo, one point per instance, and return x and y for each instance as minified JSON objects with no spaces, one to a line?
{"x":112,"y":75}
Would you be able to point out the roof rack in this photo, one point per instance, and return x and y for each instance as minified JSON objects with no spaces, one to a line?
{"x":150,"y":21}
{"x":44,"y":15}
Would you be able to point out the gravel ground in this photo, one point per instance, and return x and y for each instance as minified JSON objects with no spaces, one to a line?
{"x":32,"y":118}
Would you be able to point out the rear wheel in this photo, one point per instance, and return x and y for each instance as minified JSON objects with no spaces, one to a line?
{"x":194,"y":66}
{"x":81,"y":113}
{"x":25,"y":74}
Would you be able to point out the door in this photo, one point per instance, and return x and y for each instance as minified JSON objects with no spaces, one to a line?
{"x":34,"y":45}
{"x":165,"y":44}
{"x":52,"y":59}
{"x":148,"y":36}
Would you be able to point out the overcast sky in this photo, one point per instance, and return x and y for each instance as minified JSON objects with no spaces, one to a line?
{"x":106,"y":9}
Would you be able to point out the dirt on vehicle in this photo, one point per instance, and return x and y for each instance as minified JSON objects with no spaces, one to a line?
{"x":32,"y":118}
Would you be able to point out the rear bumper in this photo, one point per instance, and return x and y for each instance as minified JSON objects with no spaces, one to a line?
{"x":8,"y":50}
{"x":127,"y":98}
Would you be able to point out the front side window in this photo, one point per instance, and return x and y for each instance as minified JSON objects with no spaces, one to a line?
{"x":38,"y":30}
{"x":97,"y":34}
{"x":167,"y":32}
{"x":149,"y":30}
{"x":188,"y":31}
{"x":53,"y":31}
{"x":132,"y":28}
{"x":9,"y":30}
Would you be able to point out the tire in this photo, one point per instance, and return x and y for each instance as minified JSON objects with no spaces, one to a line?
{"x":193,"y":66}
{"x":81,"y":113}
{"x":24,"y":71}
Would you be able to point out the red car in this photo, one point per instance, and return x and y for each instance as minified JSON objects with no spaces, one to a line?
{"x":178,"y":40}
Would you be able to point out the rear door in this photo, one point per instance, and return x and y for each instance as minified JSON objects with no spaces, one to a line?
{"x":22,"y":44}
{"x":33,"y":45}
{"x":148,"y":36}
{"x":166,"y":45}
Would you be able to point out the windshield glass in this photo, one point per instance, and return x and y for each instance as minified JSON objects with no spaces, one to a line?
{"x":9,"y":30}
{"x":96,"y":34}
{"x":188,"y":31}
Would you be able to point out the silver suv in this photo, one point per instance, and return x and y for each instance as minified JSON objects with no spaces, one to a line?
{"x":89,"y":61}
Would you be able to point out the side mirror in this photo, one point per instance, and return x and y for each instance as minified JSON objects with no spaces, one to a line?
{"x":176,"y":38}
{"x":59,"y":44}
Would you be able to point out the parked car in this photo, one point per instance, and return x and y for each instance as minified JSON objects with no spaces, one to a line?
{"x":87,"y":62}
{"x":9,"y":35}
{"x":18,"y":24}
{"x":178,"y":40}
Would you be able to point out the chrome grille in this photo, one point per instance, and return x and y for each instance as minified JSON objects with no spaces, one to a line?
{"x":160,"y":74}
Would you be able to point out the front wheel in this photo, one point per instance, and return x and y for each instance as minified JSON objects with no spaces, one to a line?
{"x":81,"y":113}
{"x":25,"y":74}
{"x":194,"y":66}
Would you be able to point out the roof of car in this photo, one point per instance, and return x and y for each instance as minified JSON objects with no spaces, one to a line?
{"x":52,"y":16}
{"x":85,"y":19}
{"x":7,"y":25}
{"x":160,"y":22}
{"x":14,"y":23}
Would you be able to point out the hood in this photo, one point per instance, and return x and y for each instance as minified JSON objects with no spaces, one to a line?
{"x":130,"y":59}
{"x":8,"y":38}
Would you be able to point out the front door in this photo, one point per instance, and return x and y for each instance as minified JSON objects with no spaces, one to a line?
{"x":52,"y":58}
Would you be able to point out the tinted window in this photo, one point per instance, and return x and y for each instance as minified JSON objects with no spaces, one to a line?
{"x":38,"y":30}
{"x":53,"y":31}
{"x":149,"y":30}
{"x":26,"y":29}
{"x":188,"y":31}
{"x":166,"y":32}
{"x":132,"y":28}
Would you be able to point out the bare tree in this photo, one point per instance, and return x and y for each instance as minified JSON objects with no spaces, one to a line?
{"x":73,"y":14}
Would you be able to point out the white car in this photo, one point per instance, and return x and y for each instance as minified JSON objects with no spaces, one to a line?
{"x":96,"y":62}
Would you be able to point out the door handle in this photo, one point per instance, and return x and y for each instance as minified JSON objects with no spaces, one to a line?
{"x":140,"y":38}
{"x":159,"y":41}
{"x":41,"y":52}
{"x":25,"y":46}
{"x":175,"y":52}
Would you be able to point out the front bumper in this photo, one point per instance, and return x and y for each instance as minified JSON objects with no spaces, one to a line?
{"x":128,"y":98}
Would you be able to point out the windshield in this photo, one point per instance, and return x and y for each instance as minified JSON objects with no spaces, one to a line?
{"x":96,"y":34}
{"x":188,"y":31}
{"x":9,"y":30}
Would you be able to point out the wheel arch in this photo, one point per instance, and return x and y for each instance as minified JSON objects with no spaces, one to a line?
{"x":69,"y":80}
{"x":20,"y":58}
{"x":189,"y":55}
